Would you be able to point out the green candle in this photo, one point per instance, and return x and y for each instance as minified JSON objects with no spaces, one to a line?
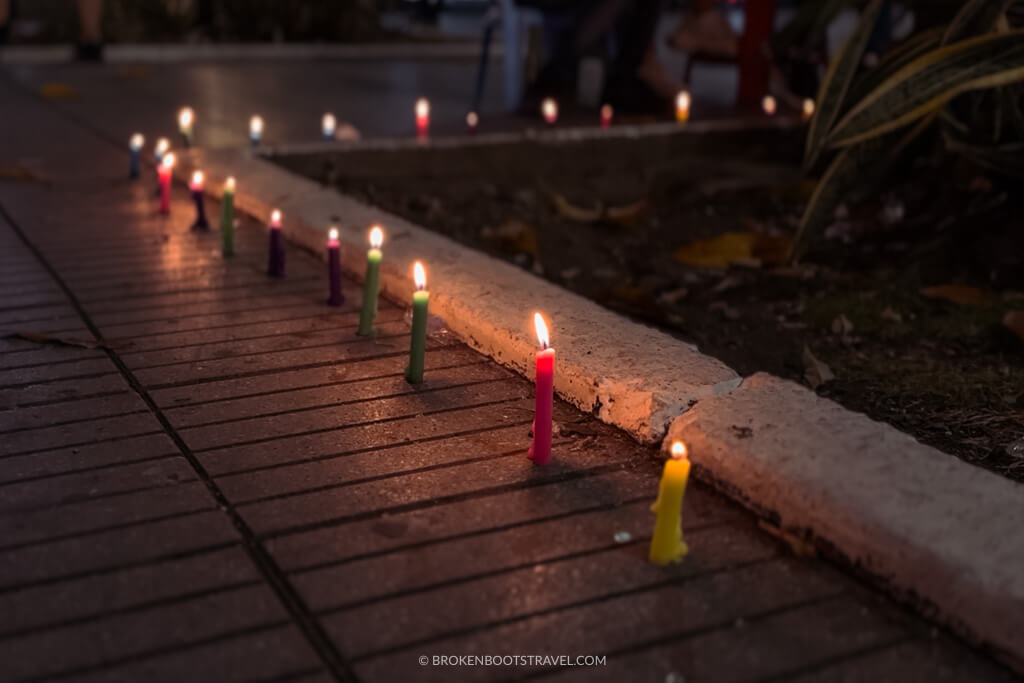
{"x":227,"y":218}
{"x":418,"y":344}
{"x":371,"y":284}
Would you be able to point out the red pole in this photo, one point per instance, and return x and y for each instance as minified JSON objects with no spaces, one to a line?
{"x":755,"y":67}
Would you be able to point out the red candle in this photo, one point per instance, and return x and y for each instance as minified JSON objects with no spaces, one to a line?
{"x":549,"y":110}
{"x":164,"y":173}
{"x":540,"y":449}
{"x":422,"y":117}
{"x":606,"y":116}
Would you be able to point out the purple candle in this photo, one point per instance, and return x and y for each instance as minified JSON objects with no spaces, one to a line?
{"x":336,"y":298}
{"x":196,"y":186}
{"x":275,"y":267}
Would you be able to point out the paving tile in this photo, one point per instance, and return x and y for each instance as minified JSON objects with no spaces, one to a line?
{"x":76,"y":487}
{"x":265,"y":654}
{"x":44,"y":438}
{"x":92,"y":515}
{"x":91,"y":597}
{"x":63,"y":390}
{"x":363,"y":437}
{"x":118,"y":637}
{"x":77,"y":458}
{"x":68,"y":411}
{"x":283,"y":380}
{"x":113,"y":549}
{"x":46,"y":373}
{"x":43,"y":355}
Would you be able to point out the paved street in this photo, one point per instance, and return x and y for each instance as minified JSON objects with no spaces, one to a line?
{"x":224,"y":483}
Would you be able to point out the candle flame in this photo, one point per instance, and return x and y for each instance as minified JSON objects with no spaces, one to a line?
{"x":376,"y":237}
{"x":808,"y":107}
{"x":542,"y":330}
{"x":185,"y":117}
{"x":549,"y":109}
{"x":230,"y":183}
{"x":472,"y":119}
{"x":137,"y":141}
{"x":678,"y":450}
{"x":329,"y":123}
{"x":422,"y":108}
{"x":275,"y":219}
{"x":332,"y":234}
{"x":197,"y":178}
{"x":168,"y":160}
{"x":419,"y":276}
{"x":256,"y":125}
{"x":683,"y":100}
{"x":769,"y":105}
{"x":162,"y":145}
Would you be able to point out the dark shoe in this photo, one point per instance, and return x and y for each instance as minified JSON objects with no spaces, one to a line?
{"x":89,"y":52}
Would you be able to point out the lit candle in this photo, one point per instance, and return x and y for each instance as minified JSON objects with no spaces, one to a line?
{"x":606,"y":115}
{"x":186,"y":118}
{"x":667,"y":543}
{"x":159,"y":150}
{"x":255,"y":130}
{"x":164,"y":175}
{"x":371,"y":283}
{"x":422,"y":117}
{"x":135,"y":146}
{"x":549,"y":110}
{"x":196,"y":187}
{"x":328,"y":124}
{"x":472,"y":121}
{"x":227,"y":218}
{"x":683,"y":106}
{"x":808,"y":108}
{"x":769,"y":105}
{"x":540,"y":449}
{"x":418,"y":342}
{"x":275,"y":265}
{"x":335,"y":298}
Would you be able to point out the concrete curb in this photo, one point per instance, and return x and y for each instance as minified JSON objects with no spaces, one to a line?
{"x":865,"y":490}
{"x":938,"y":531}
{"x":176,"y":53}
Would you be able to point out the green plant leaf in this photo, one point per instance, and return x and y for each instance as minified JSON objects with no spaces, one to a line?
{"x":929,"y":82}
{"x":894,"y":60}
{"x":850,"y":168}
{"x":1007,"y":159}
{"x":837,"y":81}
{"x":976,"y":16}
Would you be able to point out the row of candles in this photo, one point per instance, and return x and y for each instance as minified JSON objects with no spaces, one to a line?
{"x":667,"y":543}
{"x":548,"y":107}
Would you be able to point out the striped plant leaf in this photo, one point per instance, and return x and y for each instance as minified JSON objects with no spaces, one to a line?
{"x":975,"y":17}
{"x":849,"y":170}
{"x":929,"y":82}
{"x":837,"y":81}
{"x":895,"y":59}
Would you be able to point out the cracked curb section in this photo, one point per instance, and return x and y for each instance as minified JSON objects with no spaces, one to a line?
{"x":933,"y":528}
{"x":628,"y":375}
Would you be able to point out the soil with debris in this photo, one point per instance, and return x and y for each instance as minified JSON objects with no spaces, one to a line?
{"x":904,"y":311}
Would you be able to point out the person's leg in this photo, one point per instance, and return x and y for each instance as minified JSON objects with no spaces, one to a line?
{"x":90,"y":37}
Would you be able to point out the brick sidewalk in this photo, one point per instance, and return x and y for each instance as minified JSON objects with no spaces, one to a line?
{"x":235,"y":487}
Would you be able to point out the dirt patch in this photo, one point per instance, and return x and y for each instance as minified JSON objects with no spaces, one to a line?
{"x":689,"y":233}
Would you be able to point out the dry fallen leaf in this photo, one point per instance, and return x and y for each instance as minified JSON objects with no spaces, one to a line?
{"x":575,"y":213}
{"x":513,"y":236}
{"x":799,"y":546}
{"x":842,"y":326}
{"x":20,"y":174}
{"x":1014,"y":321}
{"x":959,"y":294}
{"x":891,"y":315}
{"x":730,"y":247}
{"x":57,"y":91}
{"x":627,"y":214}
{"x":815,"y":372}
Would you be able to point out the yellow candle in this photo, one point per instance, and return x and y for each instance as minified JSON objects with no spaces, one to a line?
{"x":667,"y":543}
{"x":683,"y":106}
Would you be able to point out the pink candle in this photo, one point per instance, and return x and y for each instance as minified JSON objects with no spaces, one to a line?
{"x":540,"y":449}
{"x":606,"y":116}
{"x":549,"y":110}
{"x":422,"y":117}
{"x":164,"y":174}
